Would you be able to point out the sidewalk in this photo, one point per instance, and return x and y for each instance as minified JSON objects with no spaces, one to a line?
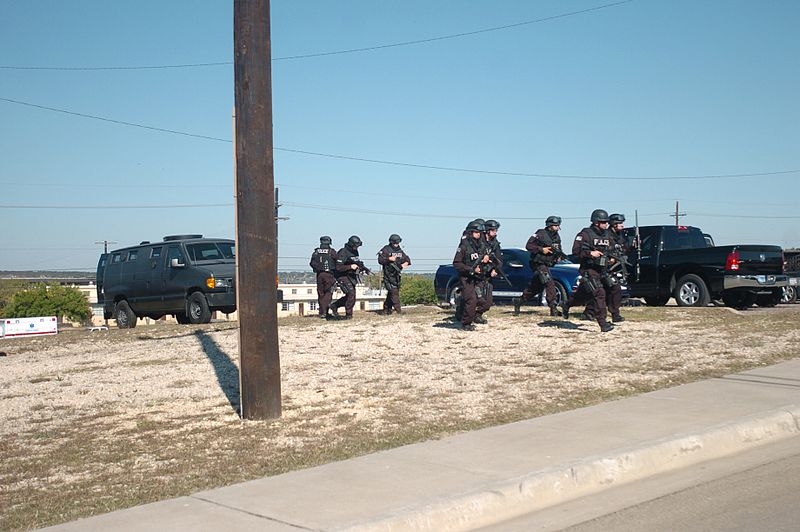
{"x":483,"y":477}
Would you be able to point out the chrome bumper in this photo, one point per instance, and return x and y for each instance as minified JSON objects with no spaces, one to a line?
{"x":755,"y":281}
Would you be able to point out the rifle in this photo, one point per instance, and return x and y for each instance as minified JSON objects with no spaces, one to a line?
{"x":495,"y":263}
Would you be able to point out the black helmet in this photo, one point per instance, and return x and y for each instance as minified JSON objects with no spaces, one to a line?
{"x":479,"y":221}
{"x":476,"y":225}
{"x":552,"y":220}
{"x":395,"y":239}
{"x":599,"y":215}
{"x":616,"y":219}
{"x":491,"y":224}
{"x":325,"y":240}
{"x":354,"y":241}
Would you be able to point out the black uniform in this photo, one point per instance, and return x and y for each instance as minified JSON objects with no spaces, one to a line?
{"x":391,"y":275}
{"x":347,"y":277}
{"x":470,"y":265}
{"x":541,"y":263}
{"x":323,"y":262}
{"x":622,"y":250}
{"x":594,"y":271}
{"x":496,"y":256}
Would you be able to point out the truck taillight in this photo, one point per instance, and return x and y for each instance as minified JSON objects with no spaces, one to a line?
{"x":732,"y":262}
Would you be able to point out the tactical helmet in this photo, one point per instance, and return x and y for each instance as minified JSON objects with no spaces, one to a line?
{"x":395,"y":239}
{"x":480,"y":221}
{"x":599,"y":215}
{"x":476,"y":225}
{"x":616,"y":219}
{"x":354,"y":241}
{"x":491,"y":224}
{"x":552,"y":220}
{"x":325,"y":240}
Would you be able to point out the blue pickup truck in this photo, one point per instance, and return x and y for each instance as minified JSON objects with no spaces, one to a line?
{"x":516,"y":266}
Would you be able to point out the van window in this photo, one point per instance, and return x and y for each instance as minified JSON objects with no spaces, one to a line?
{"x":155,"y":252}
{"x":116,"y":258}
{"x":204,"y":251}
{"x":228,"y":249}
{"x":132,"y":254}
{"x":174,"y":252}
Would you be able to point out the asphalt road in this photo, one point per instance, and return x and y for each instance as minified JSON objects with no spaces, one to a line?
{"x":757,"y":490}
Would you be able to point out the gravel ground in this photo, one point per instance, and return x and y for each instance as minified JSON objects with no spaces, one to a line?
{"x":88,"y":412}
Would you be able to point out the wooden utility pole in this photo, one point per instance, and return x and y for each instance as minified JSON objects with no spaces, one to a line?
{"x":256,"y":238}
{"x":678,"y":214}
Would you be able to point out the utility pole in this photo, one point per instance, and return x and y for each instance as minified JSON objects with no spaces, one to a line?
{"x":678,"y":214}
{"x":256,"y":232}
{"x":105,"y":244}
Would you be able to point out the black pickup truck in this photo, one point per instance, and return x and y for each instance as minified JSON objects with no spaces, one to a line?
{"x":676,"y":261}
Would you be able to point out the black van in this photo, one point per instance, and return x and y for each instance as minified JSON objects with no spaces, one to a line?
{"x":187,"y":276}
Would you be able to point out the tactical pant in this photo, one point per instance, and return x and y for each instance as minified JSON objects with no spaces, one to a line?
{"x":614,"y":299}
{"x":535,"y":287}
{"x":392,"y":300}
{"x":348,"y":300}
{"x":473,"y":303}
{"x":325,"y":283}
{"x":597,"y":295}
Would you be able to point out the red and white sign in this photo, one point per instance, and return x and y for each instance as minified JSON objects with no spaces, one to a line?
{"x":13,"y":327}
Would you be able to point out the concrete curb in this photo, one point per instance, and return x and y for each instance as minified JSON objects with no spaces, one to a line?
{"x":504,"y":500}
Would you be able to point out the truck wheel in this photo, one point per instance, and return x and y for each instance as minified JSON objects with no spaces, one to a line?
{"x":197,"y":308}
{"x":769,"y":300}
{"x":691,"y":291}
{"x":126,"y":318}
{"x":788,"y":294}
{"x":738,"y":299}
{"x":656,"y":301}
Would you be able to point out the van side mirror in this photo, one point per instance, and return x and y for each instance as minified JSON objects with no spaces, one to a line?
{"x":175,"y":263}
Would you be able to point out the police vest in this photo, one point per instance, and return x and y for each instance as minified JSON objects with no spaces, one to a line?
{"x":323,"y":256}
{"x":547,"y":240}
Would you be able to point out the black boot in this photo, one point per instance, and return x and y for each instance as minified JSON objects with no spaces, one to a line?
{"x":617,"y":319}
{"x":554,"y":311}
{"x":517,"y":304}
{"x":480,"y":319}
{"x":606,"y":327}
{"x":565,"y":310}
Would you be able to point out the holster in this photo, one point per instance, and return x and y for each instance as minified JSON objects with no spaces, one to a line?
{"x":544,"y":275}
{"x":589,"y":284}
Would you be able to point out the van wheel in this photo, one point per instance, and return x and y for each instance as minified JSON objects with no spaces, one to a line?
{"x":182,"y":318}
{"x":788,"y":294}
{"x":691,"y":291}
{"x":126,"y":318}
{"x":197,"y":308}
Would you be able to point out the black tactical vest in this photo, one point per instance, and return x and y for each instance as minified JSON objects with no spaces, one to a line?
{"x":324,"y":259}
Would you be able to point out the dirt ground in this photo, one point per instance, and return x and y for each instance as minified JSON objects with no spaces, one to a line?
{"x":96,"y":421}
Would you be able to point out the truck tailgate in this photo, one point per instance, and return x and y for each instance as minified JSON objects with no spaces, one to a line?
{"x":760,"y":260}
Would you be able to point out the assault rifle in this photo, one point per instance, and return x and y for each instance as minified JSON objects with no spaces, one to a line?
{"x":494,"y":264}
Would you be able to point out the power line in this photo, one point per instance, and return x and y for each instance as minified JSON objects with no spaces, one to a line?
{"x":324,"y":54}
{"x":87,"y":207}
{"x":416,"y":165}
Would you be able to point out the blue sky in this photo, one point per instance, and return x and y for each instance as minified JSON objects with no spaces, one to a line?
{"x":643,"y":89}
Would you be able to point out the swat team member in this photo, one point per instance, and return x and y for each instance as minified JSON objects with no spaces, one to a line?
{"x":348,"y":266}
{"x":545,"y":249}
{"x":495,"y":263}
{"x":459,"y":302}
{"x":394,"y":260}
{"x":471,"y":262}
{"x":323,"y":262}
{"x":621,"y":248}
{"x":591,"y":246}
